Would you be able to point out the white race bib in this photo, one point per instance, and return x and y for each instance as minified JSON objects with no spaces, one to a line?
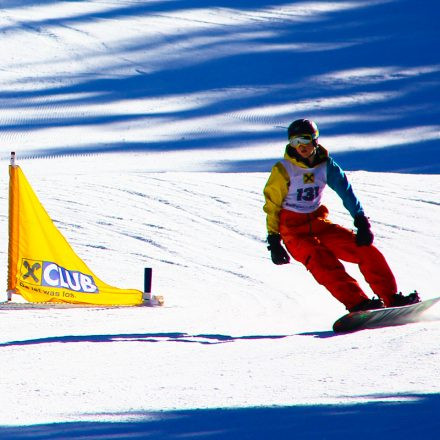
{"x":306,"y":187}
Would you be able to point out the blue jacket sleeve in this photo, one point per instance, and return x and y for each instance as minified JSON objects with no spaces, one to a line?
{"x":337,"y":180}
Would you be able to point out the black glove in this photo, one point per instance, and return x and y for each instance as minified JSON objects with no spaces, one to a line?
{"x":277,"y":252}
{"x":364,"y":236}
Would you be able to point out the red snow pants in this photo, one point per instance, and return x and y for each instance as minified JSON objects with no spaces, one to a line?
{"x":320,"y":245}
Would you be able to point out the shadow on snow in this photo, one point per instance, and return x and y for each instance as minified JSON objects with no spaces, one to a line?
{"x":398,"y":159}
{"x":207,"y":339}
{"x":287,"y":63}
{"x":379,"y":417}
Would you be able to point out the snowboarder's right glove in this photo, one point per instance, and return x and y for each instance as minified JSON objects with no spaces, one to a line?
{"x":277,"y":252}
{"x":364,"y":236}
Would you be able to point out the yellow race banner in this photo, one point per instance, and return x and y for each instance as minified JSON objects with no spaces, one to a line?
{"x":42,"y":266}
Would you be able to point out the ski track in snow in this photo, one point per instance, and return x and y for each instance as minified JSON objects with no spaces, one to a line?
{"x":230,"y":315}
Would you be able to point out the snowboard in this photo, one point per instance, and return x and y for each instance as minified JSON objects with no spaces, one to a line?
{"x":382,"y":317}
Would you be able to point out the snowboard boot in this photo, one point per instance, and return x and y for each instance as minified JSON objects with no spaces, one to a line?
{"x":399,"y":300}
{"x":368,"y":304}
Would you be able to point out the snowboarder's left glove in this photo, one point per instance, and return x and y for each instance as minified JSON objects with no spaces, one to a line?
{"x":364,"y":236}
{"x":278,"y":254}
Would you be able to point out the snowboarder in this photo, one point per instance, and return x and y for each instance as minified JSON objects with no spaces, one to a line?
{"x":296,"y":216}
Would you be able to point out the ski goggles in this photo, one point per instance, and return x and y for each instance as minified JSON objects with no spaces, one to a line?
{"x":302,"y":139}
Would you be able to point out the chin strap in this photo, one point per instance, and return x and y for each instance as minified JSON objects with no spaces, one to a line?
{"x":312,"y":155}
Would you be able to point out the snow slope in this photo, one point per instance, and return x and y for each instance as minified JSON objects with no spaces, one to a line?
{"x":147,"y":129}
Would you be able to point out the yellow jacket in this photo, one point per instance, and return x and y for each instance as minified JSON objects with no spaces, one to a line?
{"x":277,"y":186}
